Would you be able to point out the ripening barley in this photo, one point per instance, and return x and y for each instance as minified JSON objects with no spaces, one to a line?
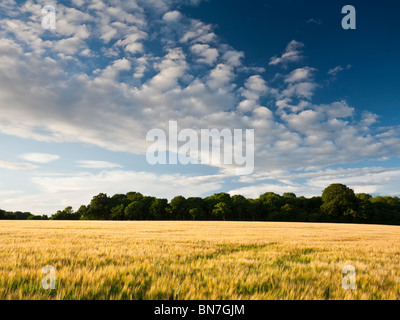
{"x":197,"y":260}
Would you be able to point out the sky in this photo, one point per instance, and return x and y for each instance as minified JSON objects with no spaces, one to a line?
{"x":77,"y":101}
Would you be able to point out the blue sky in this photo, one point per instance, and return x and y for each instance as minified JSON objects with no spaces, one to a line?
{"x":78,"y":101}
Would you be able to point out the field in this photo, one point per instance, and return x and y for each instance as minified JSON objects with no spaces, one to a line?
{"x":197,"y":260}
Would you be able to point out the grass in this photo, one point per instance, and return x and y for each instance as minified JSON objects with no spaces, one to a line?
{"x":197,"y":260}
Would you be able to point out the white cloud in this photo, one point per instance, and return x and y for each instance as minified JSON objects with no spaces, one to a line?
{"x":338,"y":109}
{"x":336,"y":70}
{"x":208,"y":55}
{"x":221,"y":76}
{"x":10,"y":165}
{"x":369,"y":118}
{"x":132,"y":43}
{"x":304,"y":120}
{"x":39,"y":157}
{"x":78,"y":3}
{"x":300,"y":75}
{"x":172,"y":16}
{"x":171,"y":69}
{"x":92,"y":164}
{"x":141,"y":65}
{"x":293,"y":53}
{"x":199,"y":32}
{"x":304,"y":90}
{"x":254,"y":89}
{"x":69,"y":46}
{"x":233,"y":57}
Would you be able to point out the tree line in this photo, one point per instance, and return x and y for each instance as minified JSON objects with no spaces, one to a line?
{"x":338,"y":204}
{"x":18,"y":215}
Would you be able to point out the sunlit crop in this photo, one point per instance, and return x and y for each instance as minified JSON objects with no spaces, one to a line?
{"x":197,"y":260}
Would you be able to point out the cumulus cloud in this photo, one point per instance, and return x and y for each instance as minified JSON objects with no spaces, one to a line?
{"x":132,"y":43}
{"x":69,"y":46}
{"x":300,"y":75}
{"x":300,"y":90}
{"x":199,"y":32}
{"x":172,"y":16}
{"x":233,"y":57}
{"x":254,"y":89}
{"x":293,"y":53}
{"x":207,"y":55}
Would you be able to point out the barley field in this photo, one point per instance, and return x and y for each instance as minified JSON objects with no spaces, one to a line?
{"x":197,"y":260}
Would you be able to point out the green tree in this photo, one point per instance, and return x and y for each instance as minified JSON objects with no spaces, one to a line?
{"x":383,"y":209}
{"x":177,"y":208}
{"x":221,"y":211}
{"x":241,"y":207}
{"x":272,"y":204}
{"x":22,"y":215}
{"x":134,"y":196}
{"x":339,"y":201}
{"x":118,"y":212}
{"x":119,"y":199}
{"x":99,"y":208}
{"x":10,"y":216}
{"x":197,"y":208}
{"x":147,"y":202}
{"x":66,"y":214}
{"x":217,"y":198}
{"x":135,"y":211}
{"x":289,"y":195}
{"x":158,"y":209}
{"x":256,"y":211}
{"x":82,"y":211}
{"x":42,"y":217}
{"x":287,"y":212}
{"x":194,"y":213}
{"x":365,"y":209}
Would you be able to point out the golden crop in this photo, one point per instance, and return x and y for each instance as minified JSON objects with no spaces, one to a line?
{"x":197,"y":260}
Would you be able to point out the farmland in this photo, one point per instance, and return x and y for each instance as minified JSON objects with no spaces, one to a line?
{"x":197,"y":260}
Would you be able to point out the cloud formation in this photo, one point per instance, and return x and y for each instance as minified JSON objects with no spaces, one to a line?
{"x":113,"y":70}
